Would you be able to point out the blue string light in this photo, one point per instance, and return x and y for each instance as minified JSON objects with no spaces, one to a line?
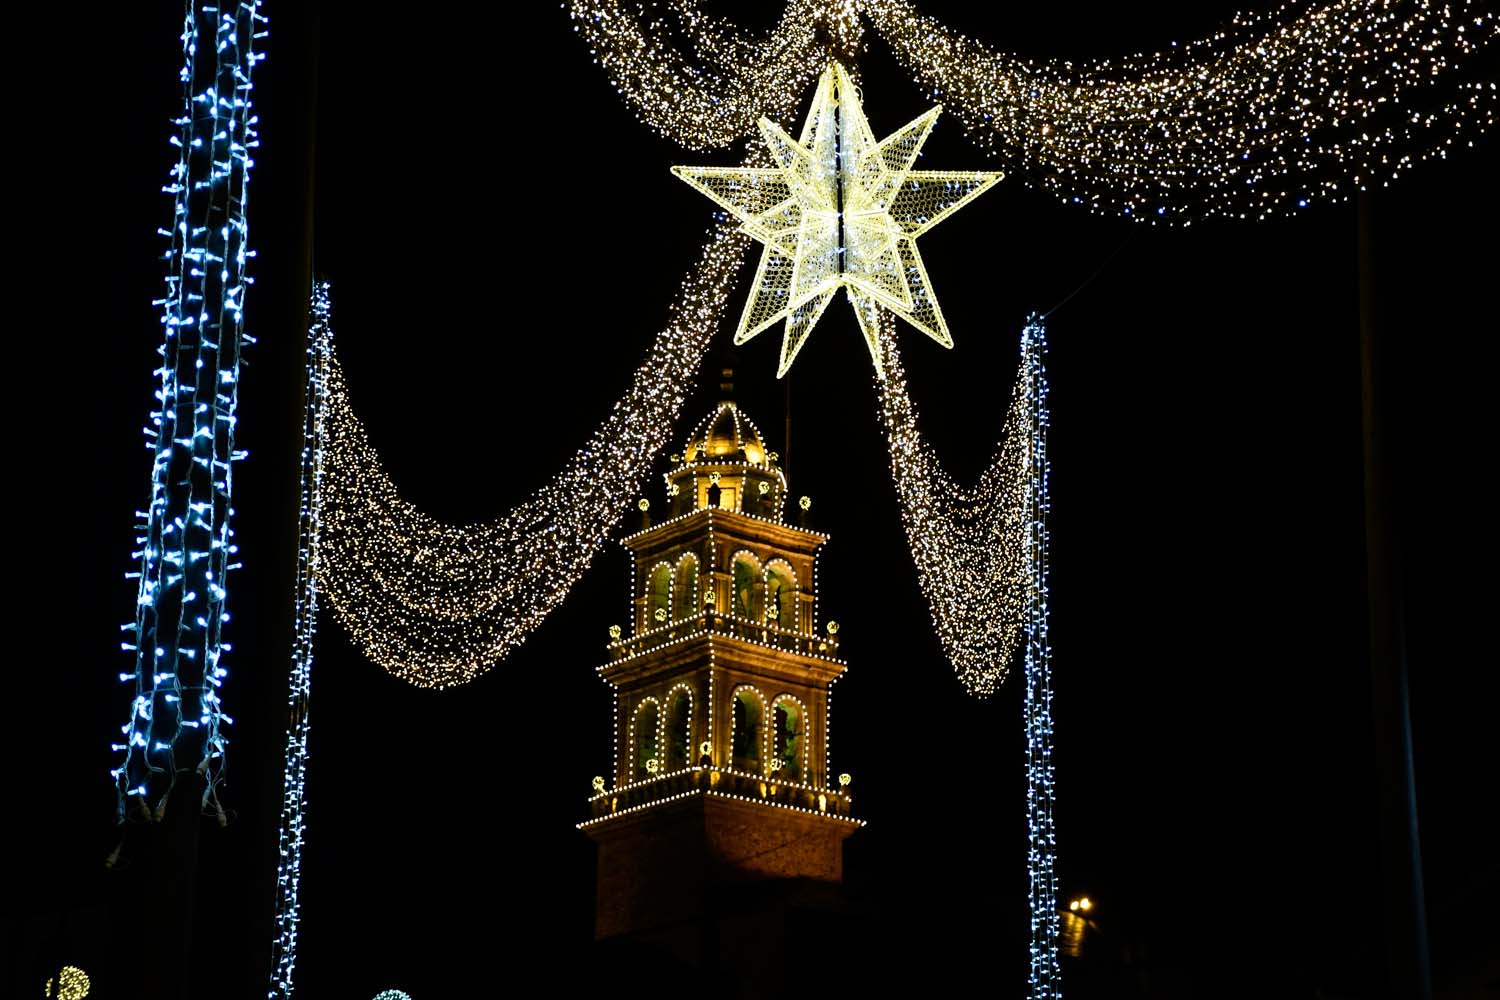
{"x":305,"y":623}
{"x":1045,"y":979}
{"x":184,"y":544}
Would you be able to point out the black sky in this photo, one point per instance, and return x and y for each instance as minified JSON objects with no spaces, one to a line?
{"x":503,"y":239}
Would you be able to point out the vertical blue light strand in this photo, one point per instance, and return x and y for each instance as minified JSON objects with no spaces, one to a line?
{"x":1045,"y":980}
{"x":184,"y":544}
{"x":299,"y":689}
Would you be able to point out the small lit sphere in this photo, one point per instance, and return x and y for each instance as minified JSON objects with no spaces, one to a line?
{"x":392,"y":995}
{"x":614,"y":632}
{"x":765,"y":488}
{"x":72,"y":984}
{"x":705,"y":748}
{"x":833,"y":628}
{"x":844,"y":780}
{"x":653,"y":765}
{"x":598,"y":783}
{"x":805,"y":503}
{"x":660,"y":614}
{"x":643,"y":504}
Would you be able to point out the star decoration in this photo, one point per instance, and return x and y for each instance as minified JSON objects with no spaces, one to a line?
{"x":840,"y":210}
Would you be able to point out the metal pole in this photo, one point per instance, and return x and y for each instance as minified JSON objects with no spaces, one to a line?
{"x":1404,"y":908}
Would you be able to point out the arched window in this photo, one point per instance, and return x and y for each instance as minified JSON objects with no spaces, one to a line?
{"x":745,"y":737}
{"x":659,"y":596}
{"x":790,"y":721}
{"x":781,"y":596}
{"x":643,"y":733}
{"x":687,"y":587}
{"x":747,"y":587}
{"x":679,"y":727}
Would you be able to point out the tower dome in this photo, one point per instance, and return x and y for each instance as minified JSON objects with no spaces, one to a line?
{"x":725,"y":465}
{"x":723,"y":435}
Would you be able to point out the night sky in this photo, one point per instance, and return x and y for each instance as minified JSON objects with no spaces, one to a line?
{"x":503,"y":240}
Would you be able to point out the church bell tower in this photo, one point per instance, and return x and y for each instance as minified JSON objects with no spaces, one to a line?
{"x":721,"y":689}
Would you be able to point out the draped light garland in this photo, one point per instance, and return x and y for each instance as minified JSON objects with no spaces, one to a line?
{"x":439,"y":604}
{"x":185,"y":546}
{"x":1265,"y":117}
{"x":714,"y":95}
{"x":305,"y":626}
{"x":969,"y":545}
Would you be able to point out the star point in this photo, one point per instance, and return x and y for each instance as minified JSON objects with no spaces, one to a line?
{"x":840,"y":210}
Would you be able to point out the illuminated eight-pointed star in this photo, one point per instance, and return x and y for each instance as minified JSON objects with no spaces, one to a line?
{"x":840,"y":210}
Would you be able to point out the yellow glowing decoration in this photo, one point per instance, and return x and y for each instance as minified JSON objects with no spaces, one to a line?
{"x":598,"y":783}
{"x":844,"y":780}
{"x":615,"y":632}
{"x":71,"y":983}
{"x":705,"y":748}
{"x":840,"y":209}
{"x":643,"y":504}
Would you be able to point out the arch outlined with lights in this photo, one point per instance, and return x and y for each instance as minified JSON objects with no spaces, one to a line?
{"x":787,"y":610}
{"x":685,"y":588}
{"x":757,"y":597}
{"x":636,"y":763}
{"x":802,"y":735}
{"x":669,"y":729}
{"x":760,"y":735}
{"x":657,"y":598}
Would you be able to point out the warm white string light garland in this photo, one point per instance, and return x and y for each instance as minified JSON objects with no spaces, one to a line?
{"x":1277,"y":110}
{"x":185,"y":546}
{"x":305,"y":626}
{"x":968,"y":544}
{"x":713,"y":95}
{"x":438,"y":604}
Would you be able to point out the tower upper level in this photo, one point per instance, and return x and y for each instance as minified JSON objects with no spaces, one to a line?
{"x":725,"y":465}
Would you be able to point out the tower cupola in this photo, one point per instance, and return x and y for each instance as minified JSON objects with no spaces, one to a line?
{"x":725,"y":464}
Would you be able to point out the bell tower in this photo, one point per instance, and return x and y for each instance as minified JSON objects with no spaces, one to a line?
{"x":721,"y":687}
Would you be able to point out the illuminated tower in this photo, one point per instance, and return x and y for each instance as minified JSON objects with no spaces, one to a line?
{"x":721,"y":684}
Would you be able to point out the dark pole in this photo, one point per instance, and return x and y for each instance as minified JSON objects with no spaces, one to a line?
{"x":1405,"y":918}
